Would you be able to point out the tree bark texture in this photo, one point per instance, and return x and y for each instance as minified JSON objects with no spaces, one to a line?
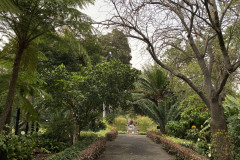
{"x":17,"y":121}
{"x":219,"y":133}
{"x":5,"y":117}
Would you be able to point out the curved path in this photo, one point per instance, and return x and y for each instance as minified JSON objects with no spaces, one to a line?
{"x":134,"y":147}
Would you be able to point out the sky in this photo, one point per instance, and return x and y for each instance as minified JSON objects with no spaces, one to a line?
{"x":100,"y":11}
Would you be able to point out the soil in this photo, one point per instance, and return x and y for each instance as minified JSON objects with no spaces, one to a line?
{"x":134,"y":147}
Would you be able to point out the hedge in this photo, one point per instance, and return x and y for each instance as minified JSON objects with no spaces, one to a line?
{"x":173,"y":148}
{"x":86,"y":149}
{"x":111,"y":135}
{"x":93,"y":151}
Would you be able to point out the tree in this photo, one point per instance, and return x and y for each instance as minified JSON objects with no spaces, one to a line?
{"x":206,"y":30}
{"x":115,"y":45}
{"x":154,"y":97}
{"x":35,"y":19}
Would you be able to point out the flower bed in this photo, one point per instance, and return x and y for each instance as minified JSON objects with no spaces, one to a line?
{"x":173,"y":148}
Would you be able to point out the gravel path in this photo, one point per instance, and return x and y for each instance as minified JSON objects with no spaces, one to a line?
{"x":134,"y":147}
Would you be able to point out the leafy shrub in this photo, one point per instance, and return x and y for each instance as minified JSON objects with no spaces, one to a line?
{"x":183,"y":142}
{"x":60,"y":128}
{"x":192,"y":134}
{"x":110,"y":117}
{"x":194,"y":111}
{"x":73,"y":151}
{"x":176,"y":128}
{"x":232,"y":113}
{"x":96,"y":126}
{"x":111,"y":135}
{"x":143,"y":123}
{"x":17,"y":147}
{"x":173,"y":148}
{"x":120,"y":123}
{"x":47,"y":143}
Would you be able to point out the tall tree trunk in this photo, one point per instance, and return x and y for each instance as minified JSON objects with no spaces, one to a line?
{"x":27,"y":128}
{"x":5,"y":117}
{"x":17,"y":121}
{"x":220,"y":141}
{"x":76,"y":133}
{"x":32,"y":127}
{"x":37,"y":127}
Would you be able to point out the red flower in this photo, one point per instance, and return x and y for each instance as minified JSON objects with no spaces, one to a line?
{"x":185,"y":101}
{"x":206,"y":110}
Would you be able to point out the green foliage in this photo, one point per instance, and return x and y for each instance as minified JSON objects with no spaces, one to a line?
{"x":143,"y":123}
{"x":176,"y":128}
{"x":194,"y":111}
{"x":232,"y":113}
{"x":183,"y":142}
{"x":17,"y":147}
{"x":112,"y":81}
{"x":110,"y":117}
{"x":192,"y":134}
{"x":96,"y":125}
{"x":73,"y":151}
{"x":59,"y":127}
{"x":48,"y":143}
{"x":115,"y":46}
{"x":154,"y":98}
{"x":121,"y":123}
{"x":65,"y":49}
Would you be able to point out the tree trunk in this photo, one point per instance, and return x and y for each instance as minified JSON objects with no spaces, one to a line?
{"x":17,"y":121}
{"x":220,"y":141}
{"x":27,"y":128}
{"x":5,"y":117}
{"x":32,"y":127}
{"x":76,"y":133}
{"x":37,"y":127}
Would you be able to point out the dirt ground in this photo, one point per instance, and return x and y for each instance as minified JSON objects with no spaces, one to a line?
{"x":134,"y":147}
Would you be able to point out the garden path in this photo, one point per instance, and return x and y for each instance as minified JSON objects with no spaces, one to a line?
{"x":134,"y":147}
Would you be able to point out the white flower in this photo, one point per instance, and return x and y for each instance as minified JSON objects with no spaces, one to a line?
{"x":198,"y":139}
{"x":22,"y":133}
{"x":209,"y":147}
{"x":209,"y":155}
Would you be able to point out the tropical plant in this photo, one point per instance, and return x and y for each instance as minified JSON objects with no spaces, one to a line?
{"x":35,"y":19}
{"x":232,"y":112}
{"x":153,"y":97}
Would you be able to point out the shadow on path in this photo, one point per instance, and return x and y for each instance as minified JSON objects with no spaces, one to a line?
{"x":134,"y":147}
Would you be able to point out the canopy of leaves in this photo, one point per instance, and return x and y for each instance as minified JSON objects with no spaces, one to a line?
{"x":115,"y":45}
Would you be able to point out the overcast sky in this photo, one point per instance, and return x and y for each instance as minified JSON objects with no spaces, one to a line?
{"x":101,"y":11}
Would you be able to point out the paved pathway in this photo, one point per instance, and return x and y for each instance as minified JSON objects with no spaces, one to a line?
{"x":134,"y":147}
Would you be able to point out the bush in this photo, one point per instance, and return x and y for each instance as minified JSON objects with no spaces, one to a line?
{"x":120,"y":123}
{"x":111,"y":135}
{"x":176,"y":128}
{"x":194,"y":111}
{"x":17,"y":147}
{"x":73,"y":151}
{"x":93,"y":151}
{"x":154,"y":137}
{"x":48,"y":144}
{"x":173,"y":148}
{"x":110,"y":117}
{"x":143,"y":123}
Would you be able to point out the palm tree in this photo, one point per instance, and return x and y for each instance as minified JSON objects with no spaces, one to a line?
{"x":153,"y":97}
